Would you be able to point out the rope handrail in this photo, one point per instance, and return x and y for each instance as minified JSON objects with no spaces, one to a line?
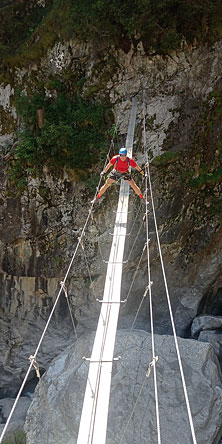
{"x":150,"y":285}
{"x":167,"y":292}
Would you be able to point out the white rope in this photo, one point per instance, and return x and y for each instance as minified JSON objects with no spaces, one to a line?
{"x":135,"y":240}
{"x":135,"y":274}
{"x":150,"y":295}
{"x":74,"y":329}
{"x":138,"y":309}
{"x":169,"y":303}
{"x":91,"y":281}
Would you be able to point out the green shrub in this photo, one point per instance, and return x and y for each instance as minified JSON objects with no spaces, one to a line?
{"x":92,"y":182}
{"x":165,"y":158}
{"x":74,"y":134}
{"x":160,"y":24}
{"x":18,"y":23}
{"x":206,"y":178}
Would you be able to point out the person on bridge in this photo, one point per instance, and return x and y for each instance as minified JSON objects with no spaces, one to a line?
{"x":121,"y":164}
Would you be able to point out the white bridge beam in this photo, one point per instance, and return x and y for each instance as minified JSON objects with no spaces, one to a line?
{"x":93,"y":423}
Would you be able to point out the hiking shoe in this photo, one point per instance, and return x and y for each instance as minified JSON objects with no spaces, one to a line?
{"x":95,"y":200}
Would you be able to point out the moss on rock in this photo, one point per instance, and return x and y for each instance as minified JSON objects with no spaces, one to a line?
{"x":8,"y":123}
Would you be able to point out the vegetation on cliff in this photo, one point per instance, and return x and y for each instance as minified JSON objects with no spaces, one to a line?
{"x":27,"y":31}
{"x":19,"y":19}
{"x":73,"y":134}
{"x":160,"y":24}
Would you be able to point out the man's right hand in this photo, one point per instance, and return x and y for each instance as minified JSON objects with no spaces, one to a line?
{"x":102,"y":173}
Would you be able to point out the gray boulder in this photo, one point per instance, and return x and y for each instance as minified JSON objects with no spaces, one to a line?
{"x":205,"y":322}
{"x":54,"y":414}
{"x":208,"y":328}
{"x":215,"y":339}
{"x":23,"y":318}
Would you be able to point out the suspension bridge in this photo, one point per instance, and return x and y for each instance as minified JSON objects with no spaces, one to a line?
{"x":93,"y":422}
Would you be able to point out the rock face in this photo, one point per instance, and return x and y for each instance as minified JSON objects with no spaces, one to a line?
{"x":209,"y":329}
{"x":19,"y":414}
{"x":29,"y":284}
{"x":204,"y":322}
{"x":18,"y":319}
{"x":64,"y":383}
{"x":8,"y":115}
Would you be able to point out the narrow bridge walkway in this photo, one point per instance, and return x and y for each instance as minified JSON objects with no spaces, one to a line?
{"x":93,"y":424}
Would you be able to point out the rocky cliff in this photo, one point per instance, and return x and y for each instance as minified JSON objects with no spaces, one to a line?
{"x":132,"y":391}
{"x":40,"y":224}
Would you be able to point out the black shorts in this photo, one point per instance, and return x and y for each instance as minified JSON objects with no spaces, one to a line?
{"x":116,"y":175}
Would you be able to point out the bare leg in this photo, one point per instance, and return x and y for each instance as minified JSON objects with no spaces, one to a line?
{"x":108,"y":183}
{"x":134,"y":187}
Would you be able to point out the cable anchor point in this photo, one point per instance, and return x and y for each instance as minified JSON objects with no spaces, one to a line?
{"x":146,"y":214}
{"x":80,"y":240}
{"x":64,"y":289}
{"x":148,"y":288}
{"x":151,"y":365}
{"x":32,"y":359}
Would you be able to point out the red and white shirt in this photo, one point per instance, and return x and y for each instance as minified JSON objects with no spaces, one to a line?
{"x":122,"y":165}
